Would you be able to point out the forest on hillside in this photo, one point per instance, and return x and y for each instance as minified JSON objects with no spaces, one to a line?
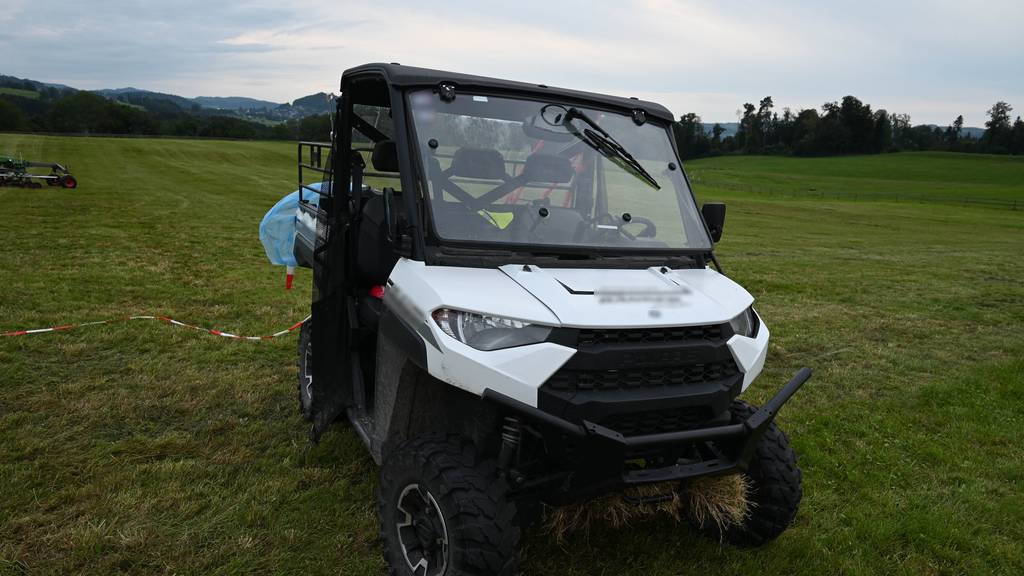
{"x":845,"y":127}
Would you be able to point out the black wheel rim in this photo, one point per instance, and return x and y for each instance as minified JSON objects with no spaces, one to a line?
{"x":422,"y":532}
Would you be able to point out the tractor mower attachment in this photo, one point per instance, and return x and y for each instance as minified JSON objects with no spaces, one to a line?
{"x":17,"y":173}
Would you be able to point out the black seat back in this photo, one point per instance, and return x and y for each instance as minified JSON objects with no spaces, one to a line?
{"x":376,"y":257}
{"x":483,"y":163}
{"x":385,"y":156}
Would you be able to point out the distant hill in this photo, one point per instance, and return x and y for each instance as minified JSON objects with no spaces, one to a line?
{"x":320,"y":100}
{"x":162,"y":103}
{"x":31,"y":106}
{"x":152,"y":101}
{"x":730,"y":128}
{"x":233,"y":103}
{"x":238,"y":106}
{"x":974,"y":132}
{"x":116,"y":91}
{"x":312,"y":105}
{"x":966,"y":131}
{"x":26,"y":85}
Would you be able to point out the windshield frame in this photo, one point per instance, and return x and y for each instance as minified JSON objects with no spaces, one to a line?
{"x":547,"y":252}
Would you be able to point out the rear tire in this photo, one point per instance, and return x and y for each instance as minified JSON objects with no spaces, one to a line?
{"x":775,"y":489}
{"x":442,"y":506}
{"x":305,"y":363}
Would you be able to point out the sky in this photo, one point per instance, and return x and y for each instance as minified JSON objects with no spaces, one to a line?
{"x":932,"y":60}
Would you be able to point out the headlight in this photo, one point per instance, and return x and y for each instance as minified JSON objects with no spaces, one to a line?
{"x":488,"y":332}
{"x":745,"y":324}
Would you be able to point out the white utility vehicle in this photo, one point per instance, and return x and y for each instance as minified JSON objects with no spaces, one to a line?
{"x":516,"y":301}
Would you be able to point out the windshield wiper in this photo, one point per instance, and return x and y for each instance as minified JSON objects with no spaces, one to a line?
{"x":609,"y":147}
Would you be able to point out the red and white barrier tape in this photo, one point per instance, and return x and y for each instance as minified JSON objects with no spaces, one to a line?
{"x":164,"y":319}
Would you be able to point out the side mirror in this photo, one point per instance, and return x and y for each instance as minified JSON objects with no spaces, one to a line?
{"x":714,"y":217}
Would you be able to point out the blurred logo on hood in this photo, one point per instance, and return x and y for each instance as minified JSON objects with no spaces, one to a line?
{"x":663,"y":297}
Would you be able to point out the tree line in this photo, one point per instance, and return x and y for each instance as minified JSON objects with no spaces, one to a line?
{"x":72,"y":111}
{"x":846,"y":127}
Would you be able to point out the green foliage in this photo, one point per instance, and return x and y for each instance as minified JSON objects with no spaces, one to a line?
{"x":690,"y":136}
{"x":999,"y":133}
{"x":846,"y":127}
{"x":146,"y":449}
{"x":89,"y":113}
{"x":315,"y":128}
{"x":12,"y":119}
{"x":1017,"y":137}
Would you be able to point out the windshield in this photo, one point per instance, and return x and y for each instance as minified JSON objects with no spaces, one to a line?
{"x":525,"y":172}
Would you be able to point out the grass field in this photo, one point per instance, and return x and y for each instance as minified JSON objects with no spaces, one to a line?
{"x":30,"y":94}
{"x":911,"y":176}
{"x":144,"y":448}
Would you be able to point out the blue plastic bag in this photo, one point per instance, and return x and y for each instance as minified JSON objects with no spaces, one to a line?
{"x":277,"y":229}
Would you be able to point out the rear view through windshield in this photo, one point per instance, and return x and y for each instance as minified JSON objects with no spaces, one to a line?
{"x":516,"y":171}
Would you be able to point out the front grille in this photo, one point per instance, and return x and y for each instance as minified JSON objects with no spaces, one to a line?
{"x":673,"y":335}
{"x":640,"y":381}
{"x":573,"y":379}
{"x":658,"y":421}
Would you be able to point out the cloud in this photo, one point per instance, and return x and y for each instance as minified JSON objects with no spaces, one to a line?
{"x":695,"y":55}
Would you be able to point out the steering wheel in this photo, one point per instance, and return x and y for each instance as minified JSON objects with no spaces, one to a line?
{"x":649,"y":231}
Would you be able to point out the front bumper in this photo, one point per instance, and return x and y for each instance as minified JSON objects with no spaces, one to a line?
{"x":603,"y":452}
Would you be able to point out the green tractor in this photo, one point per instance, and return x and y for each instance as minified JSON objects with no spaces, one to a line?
{"x":16,"y":172}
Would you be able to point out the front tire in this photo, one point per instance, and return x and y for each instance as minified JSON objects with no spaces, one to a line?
{"x":775,"y":489}
{"x":443,"y":511}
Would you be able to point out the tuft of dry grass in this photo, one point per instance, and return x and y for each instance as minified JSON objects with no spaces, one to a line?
{"x":723,"y":500}
{"x":719,"y":499}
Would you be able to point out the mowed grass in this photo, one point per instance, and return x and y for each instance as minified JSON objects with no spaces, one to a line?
{"x":907,"y":176}
{"x":143,"y":448}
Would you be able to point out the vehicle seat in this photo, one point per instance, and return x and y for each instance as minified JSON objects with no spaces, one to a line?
{"x":561,"y":225}
{"x":376,"y":256}
{"x":481,"y":163}
{"x":453,"y":218}
{"x":385,"y":156}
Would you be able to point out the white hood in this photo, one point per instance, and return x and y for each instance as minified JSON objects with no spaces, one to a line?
{"x":603,"y":298}
{"x":558,"y":296}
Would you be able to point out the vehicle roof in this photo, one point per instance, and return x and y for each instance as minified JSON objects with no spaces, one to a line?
{"x":411,"y":76}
